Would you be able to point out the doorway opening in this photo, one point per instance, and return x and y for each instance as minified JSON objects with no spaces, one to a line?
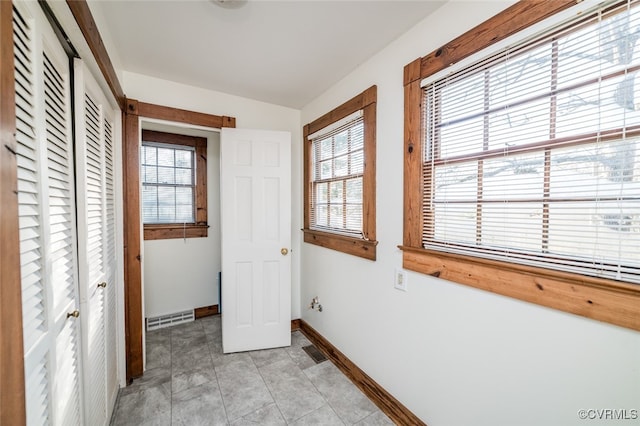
{"x":180,"y":271}
{"x":136,"y":113}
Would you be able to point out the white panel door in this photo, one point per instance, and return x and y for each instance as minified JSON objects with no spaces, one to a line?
{"x":96,"y":243}
{"x":255,"y":180}
{"x":47,"y":222}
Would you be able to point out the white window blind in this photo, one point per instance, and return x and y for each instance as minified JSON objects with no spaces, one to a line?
{"x":337,"y":172}
{"x":168,"y":183}
{"x":532,"y":155}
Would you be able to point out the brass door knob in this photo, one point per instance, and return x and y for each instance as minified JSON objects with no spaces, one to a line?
{"x":74,"y":314}
{"x":284,"y":251}
{"x":102,"y":284}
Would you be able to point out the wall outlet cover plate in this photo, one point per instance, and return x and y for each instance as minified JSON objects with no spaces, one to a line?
{"x":400,"y":279}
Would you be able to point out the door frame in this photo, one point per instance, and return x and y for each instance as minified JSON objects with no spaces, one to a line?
{"x":133,"y":112}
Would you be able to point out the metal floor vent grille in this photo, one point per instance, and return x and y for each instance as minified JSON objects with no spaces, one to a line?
{"x":314,"y":353}
{"x":169,"y":320}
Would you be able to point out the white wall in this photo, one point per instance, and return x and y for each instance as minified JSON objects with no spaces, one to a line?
{"x":452,"y":354}
{"x":199,"y":254}
{"x":182,"y":274}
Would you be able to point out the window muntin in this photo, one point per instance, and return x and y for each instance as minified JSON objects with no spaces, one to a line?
{"x":532,"y":155}
{"x":168,"y":184}
{"x":338,"y":167}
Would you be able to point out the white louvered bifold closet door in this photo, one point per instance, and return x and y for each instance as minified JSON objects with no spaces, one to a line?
{"x":47,"y":222}
{"x":96,"y":229}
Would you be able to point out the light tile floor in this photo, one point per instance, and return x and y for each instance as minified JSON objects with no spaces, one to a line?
{"x":189,"y":382}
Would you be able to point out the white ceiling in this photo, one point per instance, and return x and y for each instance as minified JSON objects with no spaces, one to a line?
{"x":281,"y":52}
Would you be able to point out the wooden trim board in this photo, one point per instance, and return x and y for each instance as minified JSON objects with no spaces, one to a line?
{"x":295,"y":324}
{"x":132,"y":243}
{"x":82,"y":14}
{"x":205,"y":311}
{"x":384,"y":400}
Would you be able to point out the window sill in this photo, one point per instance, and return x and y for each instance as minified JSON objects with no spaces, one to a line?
{"x":350,"y":245}
{"x":174,"y":231}
{"x":600,"y":299}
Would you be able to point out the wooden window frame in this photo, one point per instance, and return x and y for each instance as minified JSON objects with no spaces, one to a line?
{"x":596,"y":298}
{"x":362,"y":247}
{"x":199,"y":228}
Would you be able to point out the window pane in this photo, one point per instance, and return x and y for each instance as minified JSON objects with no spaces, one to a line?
{"x":597,"y":171}
{"x":456,"y":182}
{"x":461,"y":97}
{"x":597,"y":107}
{"x":336,"y":218}
{"x":341,"y":166}
{"x":166,"y":196}
{"x":321,"y":215}
{"x":184,"y":158}
{"x":513,"y":225}
{"x":184,"y":196}
{"x":357,"y":162}
{"x":150,"y":155}
{"x":463,"y":138}
{"x":166,"y":175}
{"x":354,"y":217}
{"x":149,"y":204}
{"x":326,"y":170}
{"x":341,"y":143}
{"x":513,"y":177}
{"x":184,"y":213}
{"x":519,"y":125}
{"x":184,"y":176}
{"x":616,"y":224}
{"x":149,"y":174}
{"x":325,"y":149}
{"x":322,"y":191}
{"x":354,"y":190}
{"x":166,"y":157}
{"x":167,"y":214}
{"x":455,"y":223}
{"x":335,"y":190}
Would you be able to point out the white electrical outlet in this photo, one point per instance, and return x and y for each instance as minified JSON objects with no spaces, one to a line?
{"x":400,"y":279}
